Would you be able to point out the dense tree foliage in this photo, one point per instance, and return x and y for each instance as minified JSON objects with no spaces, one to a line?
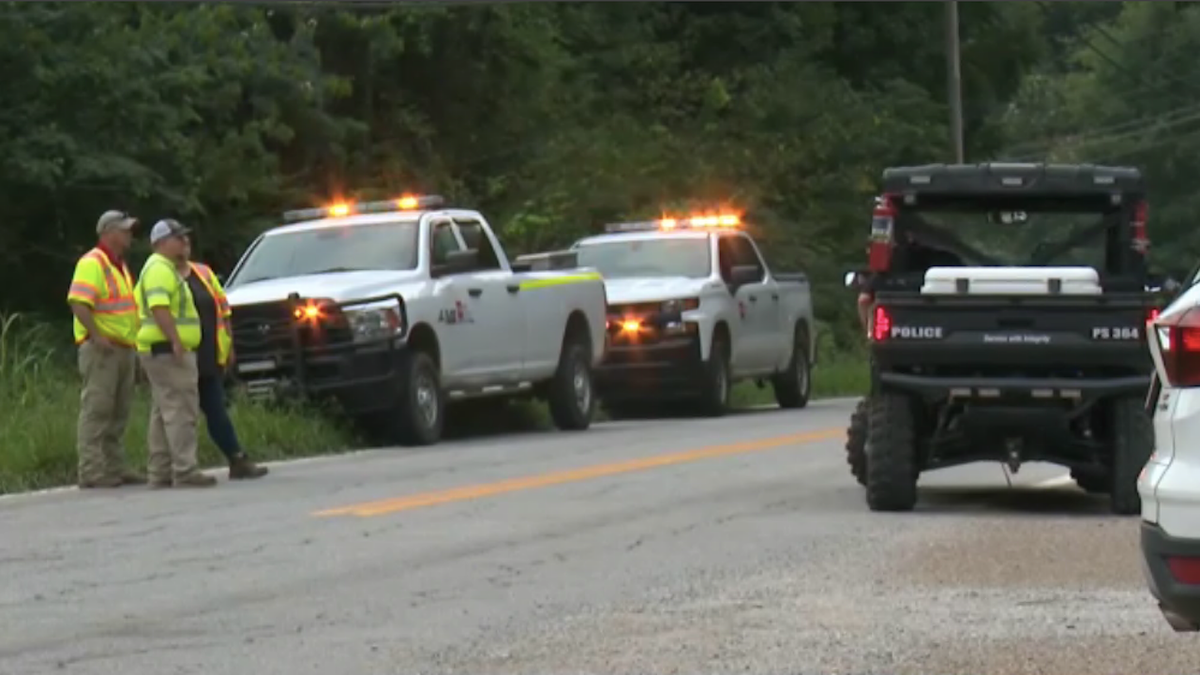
{"x":554,"y":118}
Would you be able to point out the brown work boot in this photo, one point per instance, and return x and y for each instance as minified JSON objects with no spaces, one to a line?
{"x":242,"y":467}
{"x":105,"y":482}
{"x":131,"y":477}
{"x":195,"y":480}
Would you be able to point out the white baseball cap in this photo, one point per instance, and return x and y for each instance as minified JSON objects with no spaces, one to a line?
{"x":167,"y":227}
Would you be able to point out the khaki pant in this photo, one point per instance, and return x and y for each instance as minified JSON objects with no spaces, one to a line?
{"x":174,"y":416}
{"x":104,"y":403}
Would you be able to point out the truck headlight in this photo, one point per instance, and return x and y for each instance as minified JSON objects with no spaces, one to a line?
{"x":679,"y":306}
{"x":375,"y":321}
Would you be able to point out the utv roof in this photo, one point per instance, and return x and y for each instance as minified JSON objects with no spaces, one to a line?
{"x":1007,"y":180}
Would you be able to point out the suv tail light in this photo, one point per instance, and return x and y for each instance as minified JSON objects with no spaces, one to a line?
{"x":1186,"y":570}
{"x":1179,"y":342}
{"x":882,"y":325}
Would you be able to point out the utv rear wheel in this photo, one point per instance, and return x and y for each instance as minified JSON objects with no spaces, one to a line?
{"x":1133,"y":442}
{"x":856,"y":443}
{"x":714,"y":401}
{"x":572,"y":396}
{"x":891,"y":453}
{"x":793,"y":385}
{"x":422,"y":406}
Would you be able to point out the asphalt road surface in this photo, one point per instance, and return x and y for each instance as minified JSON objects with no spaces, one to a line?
{"x":665,"y":546}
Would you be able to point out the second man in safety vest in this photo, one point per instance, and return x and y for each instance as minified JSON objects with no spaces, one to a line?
{"x":167,"y":341}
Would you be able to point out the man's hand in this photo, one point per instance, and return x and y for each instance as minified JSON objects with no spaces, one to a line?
{"x":101,"y":342}
{"x":177,"y":348}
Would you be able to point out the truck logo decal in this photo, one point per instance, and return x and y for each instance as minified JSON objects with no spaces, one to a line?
{"x":917,"y":332}
{"x":1016,"y":339}
{"x":456,"y":314}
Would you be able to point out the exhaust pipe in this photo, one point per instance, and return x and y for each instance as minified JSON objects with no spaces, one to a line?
{"x":1177,"y":622}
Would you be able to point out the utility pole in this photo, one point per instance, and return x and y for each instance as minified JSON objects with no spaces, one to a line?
{"x":954,"y":78}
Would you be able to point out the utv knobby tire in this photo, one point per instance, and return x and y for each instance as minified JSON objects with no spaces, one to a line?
{"x":420,"y":394}
{"x":891,"y":453}
{"x":793,"y":386}
{"x":572,"y":395}
{"x":856,"y":442}
{"x":1133,"y":442}
{"x":714,"y":400}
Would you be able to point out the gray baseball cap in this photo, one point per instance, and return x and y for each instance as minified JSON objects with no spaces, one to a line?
{"x":167,"y":227}
{"x":114,"y":220}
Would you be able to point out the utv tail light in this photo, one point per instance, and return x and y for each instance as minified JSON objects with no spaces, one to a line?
{"x":881,"y":327}
{"x":1186,"y":570}
{"x":1179,"y":342}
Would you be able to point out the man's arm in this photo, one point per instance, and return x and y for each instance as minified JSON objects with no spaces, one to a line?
{"x":156,"y":289}
{"x":82,"y":296}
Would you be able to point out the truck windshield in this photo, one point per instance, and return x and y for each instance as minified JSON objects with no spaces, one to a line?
{"x":648,"y":258}
{"x":383,"y":246}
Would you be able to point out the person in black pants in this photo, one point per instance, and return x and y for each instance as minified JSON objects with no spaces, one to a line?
{"x":211,"y":359}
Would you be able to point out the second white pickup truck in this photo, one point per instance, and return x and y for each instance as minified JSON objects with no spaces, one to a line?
{"x":394,"y":308}
{"x":693,"y":308}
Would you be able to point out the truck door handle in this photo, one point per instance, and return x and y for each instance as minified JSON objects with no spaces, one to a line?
{"x":774,"y":296}
{"x":475,"y":292}
{"x":754,"y":298}
{"x":513,"y":288}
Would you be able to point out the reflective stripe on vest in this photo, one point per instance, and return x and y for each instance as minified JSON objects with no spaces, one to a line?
{"x":224,"y":337}
{"x":116,"y":301}
{"x":180,"y":313}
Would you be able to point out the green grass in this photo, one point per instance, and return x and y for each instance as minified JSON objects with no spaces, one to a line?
{"x":39,"y":402}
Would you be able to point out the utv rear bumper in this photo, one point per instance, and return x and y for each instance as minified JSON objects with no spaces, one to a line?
{"x":1015,"y":387}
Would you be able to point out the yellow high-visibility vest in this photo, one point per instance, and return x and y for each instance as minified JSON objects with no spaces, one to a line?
{"x":160,"y":285}
{"x":224,"y":331}
{"x":108,"y":291}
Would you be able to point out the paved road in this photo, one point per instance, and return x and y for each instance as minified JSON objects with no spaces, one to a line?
{"x":739,"y":544}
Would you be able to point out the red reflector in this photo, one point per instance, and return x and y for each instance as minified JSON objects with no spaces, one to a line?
{"x":882,"y":325}
{"x":1152,"y":314}
{"x":1185,"y":570}
{"x":1180,"y":347}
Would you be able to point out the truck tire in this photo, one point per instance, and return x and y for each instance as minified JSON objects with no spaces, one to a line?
{"x":1133,"y":442}
{"x":856,"y":443}
{"x":891,"y":453}
{"x":422,"y":401}
{"x":572,"y":397}
{"x":714,"y":401}
{"x":793,"y":385}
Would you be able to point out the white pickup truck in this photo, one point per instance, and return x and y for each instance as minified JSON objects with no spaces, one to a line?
{"x":395,"y":308}
{"x":693,"y":308}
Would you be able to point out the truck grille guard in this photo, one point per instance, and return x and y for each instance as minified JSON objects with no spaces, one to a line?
{"x":309,"y":356}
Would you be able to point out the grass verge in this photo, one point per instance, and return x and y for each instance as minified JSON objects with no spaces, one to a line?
{"x":39,"y":403}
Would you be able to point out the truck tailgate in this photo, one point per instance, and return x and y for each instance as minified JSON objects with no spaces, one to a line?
{"x":1014,"y":333}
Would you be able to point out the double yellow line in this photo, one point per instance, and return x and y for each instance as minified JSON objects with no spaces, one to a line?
{"x":469,"y":492}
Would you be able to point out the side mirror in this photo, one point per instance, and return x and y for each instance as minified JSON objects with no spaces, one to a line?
{"x":741,"y":275}
{"x":457,"y":262}
{"x":850,"y":280}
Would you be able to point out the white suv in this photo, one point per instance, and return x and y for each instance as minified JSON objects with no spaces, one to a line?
{"x":1169,"y":485}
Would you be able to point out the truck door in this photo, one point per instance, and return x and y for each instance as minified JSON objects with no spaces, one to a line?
{"x":499,"y":332}
{"x":776,"y":337}
{"x":460,"y":363}
{"x":745,"y":304}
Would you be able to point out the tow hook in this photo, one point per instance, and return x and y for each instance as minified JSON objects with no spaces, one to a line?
{"x":1013,"y":445}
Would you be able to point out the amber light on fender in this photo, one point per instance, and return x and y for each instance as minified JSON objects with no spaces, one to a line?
{"x":308,"y":312}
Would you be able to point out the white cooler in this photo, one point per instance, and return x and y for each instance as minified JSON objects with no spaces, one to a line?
{"x":1011,"y":281}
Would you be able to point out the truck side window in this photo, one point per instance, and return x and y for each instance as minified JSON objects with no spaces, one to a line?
{"x":745,"y":255}
{"x":475,"y":238}
{"x":726,"y":258}
{"x":442,"y":242}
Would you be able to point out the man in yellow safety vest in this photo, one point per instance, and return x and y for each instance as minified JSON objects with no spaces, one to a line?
{"x":167,"y":340}
{"x":105,"y":326}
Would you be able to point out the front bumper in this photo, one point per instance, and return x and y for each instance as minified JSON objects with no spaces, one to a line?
{"x":665,"y":368}
{"x":1180,"y":603}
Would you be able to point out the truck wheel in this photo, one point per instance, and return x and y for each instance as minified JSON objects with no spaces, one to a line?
{"x":714,"y":402}
{"x":793,"y":385}
{"x":1133,"y":442}
{"x":891,"y":453}
{"x":856,"y":443}
{"x":572,"y":397}
{"x":422,"y":402}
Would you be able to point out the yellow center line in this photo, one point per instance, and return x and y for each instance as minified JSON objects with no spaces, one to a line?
{"x":468,"y":492}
